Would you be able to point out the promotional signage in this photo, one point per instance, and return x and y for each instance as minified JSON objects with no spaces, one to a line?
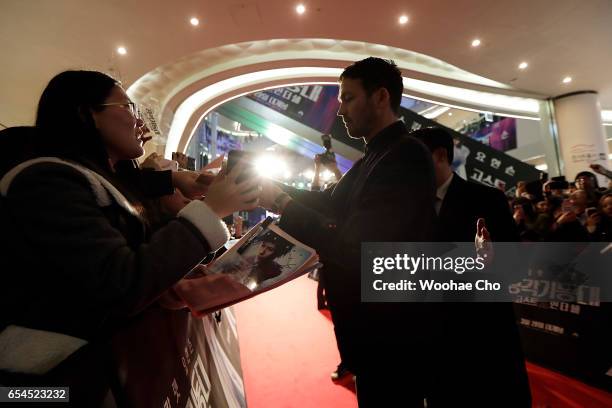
{"x":170,"y":359}
{"x":500,"y":135}
{"x":316,"y":106}
{"x":477,"y":162}
{"x":474,"y":160}
{"x":313,"y":105}
{"x":569,"y":337}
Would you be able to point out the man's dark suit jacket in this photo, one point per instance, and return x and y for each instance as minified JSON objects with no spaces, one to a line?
{"x":387,"y":195}
{"x":465,"y":202}
{"x":486,"y":352}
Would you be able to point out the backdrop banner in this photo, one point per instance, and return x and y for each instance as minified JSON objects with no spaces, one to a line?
{"x":170,"y":359}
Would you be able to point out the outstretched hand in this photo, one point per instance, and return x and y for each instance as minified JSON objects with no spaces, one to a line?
{"x":598,"y":168}
{"x":225,"y":196}
{"x":482,"y":241}
{"x":192,"y":184}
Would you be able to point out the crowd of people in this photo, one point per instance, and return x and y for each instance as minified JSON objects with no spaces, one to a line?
{"x":556,"y":210}
{"x":99,"y":239}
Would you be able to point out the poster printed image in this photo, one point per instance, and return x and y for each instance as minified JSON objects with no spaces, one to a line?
{"x":267,"y":258}
{"x":500,"y":135}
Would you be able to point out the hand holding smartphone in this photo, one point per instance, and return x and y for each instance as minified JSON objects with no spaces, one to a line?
{"x":240,"y":156}
{"x":236,"y":156}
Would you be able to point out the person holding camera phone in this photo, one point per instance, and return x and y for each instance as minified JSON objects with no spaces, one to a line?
{"x":587,"y":182}
{"x":321,"y":161}
{"x":88,"y":260}
{"x":326,"y":160}
{"x":599,"y":220}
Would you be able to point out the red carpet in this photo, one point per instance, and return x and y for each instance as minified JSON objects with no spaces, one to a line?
{"x":551,"y":389}
{"x":288,"y":351}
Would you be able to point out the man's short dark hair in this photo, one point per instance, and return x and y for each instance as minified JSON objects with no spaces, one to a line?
{"x":436,"y":138}
{"x":281,"y":245}
{"x":376,"y":73}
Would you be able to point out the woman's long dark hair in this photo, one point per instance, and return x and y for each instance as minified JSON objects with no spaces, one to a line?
{"x":65,"y":120}
{"x":67,"y":128}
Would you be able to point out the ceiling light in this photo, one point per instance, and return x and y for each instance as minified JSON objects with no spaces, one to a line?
{"x":300,"y":9}
{"x":476,"y":43}
{"x":270,"y":166}
{"x":567,"y":80}
{"x":450,"y":113}
{"x":194,"y":21}
{"x":403,"y":19}
{"x":542,"y":167}
{"x":523,"y":65}
{"x":122,"y":50}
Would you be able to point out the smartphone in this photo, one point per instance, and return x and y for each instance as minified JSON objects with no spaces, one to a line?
{"x":559,"y":185}
{"x":236,"y":156}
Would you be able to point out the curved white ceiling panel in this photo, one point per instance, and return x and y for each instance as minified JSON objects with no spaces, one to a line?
{"x":195,"y":84}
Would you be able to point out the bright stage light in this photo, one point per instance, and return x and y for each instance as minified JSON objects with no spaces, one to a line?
{"x":271,"y":166}
{"x":327,"y":175}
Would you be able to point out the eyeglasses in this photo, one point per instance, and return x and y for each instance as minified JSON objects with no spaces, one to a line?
{"x":132,"y":106}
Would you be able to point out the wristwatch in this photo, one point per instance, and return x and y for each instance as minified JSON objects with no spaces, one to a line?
{"x":280,"y":202}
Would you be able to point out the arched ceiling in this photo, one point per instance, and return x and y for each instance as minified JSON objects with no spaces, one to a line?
{"x":182,"y":92}
{"x":40,"y":38}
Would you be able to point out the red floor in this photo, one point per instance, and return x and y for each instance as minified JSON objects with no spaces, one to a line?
{"x":292,"y":370}
{"x":288,"y":351}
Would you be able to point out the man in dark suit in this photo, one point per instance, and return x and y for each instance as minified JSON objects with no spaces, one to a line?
{"x":489,"y":370}
{"x":386,"y":196}
{"x":459,"y":203}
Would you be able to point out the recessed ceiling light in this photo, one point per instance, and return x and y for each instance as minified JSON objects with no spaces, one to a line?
{"x":450,"y":113}
{"x":300,"y":9}
{"x":403,"y":19}
{"x":523,"y":65}
{"x":122,"y":50}
{"x":194,"y":21}
{"x":567,"y":80}
{"x":476,"y":43}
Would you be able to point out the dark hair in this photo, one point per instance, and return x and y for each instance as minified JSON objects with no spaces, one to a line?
{"x":64,"y":116}
{"x":527,"y":205}
{"x":436,"y":138}
{"x":281,"y":246}
{"x":67,"y":128}
{"x":589,"y":175}
{"x":376,"y":73}
{"x":554,"y":203}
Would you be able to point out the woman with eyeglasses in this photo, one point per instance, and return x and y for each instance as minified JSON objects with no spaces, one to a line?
{"x":86,"y":258}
